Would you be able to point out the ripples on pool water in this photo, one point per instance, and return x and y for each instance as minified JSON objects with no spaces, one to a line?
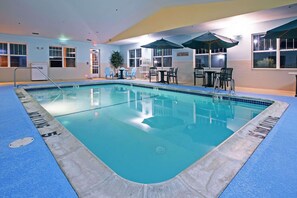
{"x":145,"y":135}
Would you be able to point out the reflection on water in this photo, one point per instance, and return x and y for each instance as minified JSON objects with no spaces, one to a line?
{"x":146,"y":135}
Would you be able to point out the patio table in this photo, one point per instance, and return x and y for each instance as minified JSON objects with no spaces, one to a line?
{"x":209,"y":75}
{"x":121,"y":76}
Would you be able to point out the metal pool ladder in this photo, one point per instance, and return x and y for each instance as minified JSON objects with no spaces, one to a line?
{"x":14,"y":76}
{"x":216,"y":86}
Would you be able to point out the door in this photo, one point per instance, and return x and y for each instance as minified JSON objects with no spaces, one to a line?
{"x":95,"y":62}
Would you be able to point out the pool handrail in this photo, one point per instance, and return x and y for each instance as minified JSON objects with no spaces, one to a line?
{"x":14,"y":76}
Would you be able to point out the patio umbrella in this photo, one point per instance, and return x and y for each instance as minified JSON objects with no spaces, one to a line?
{"x":210,"y":41}
{"x":286,"y":31}
{"x":162,"y":44}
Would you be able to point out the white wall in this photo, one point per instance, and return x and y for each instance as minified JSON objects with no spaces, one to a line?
{"x":238,"y":57}
{"x":38,"y":51}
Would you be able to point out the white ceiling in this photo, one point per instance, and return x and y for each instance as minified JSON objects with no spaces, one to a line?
{"x":80,"y":20}
{"x":100,"y":20}
{"x":250,"y":18}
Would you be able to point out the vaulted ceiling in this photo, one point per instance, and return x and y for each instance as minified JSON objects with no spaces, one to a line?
{"x":114,"y":20}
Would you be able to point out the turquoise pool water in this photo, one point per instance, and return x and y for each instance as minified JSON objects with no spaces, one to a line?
{"x":145,"y":135}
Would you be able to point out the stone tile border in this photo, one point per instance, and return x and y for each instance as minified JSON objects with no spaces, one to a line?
{"x":207,"y":177}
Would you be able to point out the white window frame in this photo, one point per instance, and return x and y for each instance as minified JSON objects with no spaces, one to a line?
{"x":164,"y":56}
{"x":212,"y":53}
{"x":135,"y":58}
{"x":9,"y":55}
{"x":277,"y":51}
{"x":64,"y":56}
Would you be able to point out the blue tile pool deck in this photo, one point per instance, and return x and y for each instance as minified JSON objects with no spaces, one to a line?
{"x":28,"y":171}
{"x":31,"y":171}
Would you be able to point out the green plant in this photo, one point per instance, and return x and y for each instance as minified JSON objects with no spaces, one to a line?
{"x":116,"y":59}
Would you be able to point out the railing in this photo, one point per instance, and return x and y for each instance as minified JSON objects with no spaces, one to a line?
{"x":216,"y":86}
{"x":232,"y":87}
{"x":14,"y":76}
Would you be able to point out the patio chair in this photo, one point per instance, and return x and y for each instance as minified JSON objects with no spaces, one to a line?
{"x":132,"y":74}
{"x":225,"y":77}
{"x":172,"y":73}
{"x":108,"y":72}
{"x":153,"y":72}
{"x":199,"y":73}
{"x":169,"y":73}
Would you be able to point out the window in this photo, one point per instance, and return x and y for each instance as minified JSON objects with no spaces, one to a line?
{"x":62,"y":57}
{"x":134,"y":57}
{"x":167,"y":57}
{"x":69,"y":60}
{"x":274,"y":53}
{"x":218,"y":58}
{"x":55,"y":54}
{"x":288,"y":53}
{"x":264,"y":52}
{"x":13,"y":55}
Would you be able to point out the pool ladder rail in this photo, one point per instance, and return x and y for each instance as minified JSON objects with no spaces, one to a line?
{"x":216,"y":86}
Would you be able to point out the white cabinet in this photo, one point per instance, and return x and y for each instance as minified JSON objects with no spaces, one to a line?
{"x":36,"y":74}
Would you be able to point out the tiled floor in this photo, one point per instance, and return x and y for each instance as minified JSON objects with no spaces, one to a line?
{"x":31,"y":170}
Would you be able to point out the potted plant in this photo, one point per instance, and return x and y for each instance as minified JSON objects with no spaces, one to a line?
{"x":116,"y":60}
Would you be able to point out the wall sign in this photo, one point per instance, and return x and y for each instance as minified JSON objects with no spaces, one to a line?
{"x":182,"y":54}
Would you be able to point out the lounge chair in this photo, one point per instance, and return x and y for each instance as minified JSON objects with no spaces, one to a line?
{"x":132,"y":74}
{"x":108,"y":72}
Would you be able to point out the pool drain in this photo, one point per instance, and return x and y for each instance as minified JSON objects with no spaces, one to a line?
{"x":21,"y":142}
{"x":160,"y":150}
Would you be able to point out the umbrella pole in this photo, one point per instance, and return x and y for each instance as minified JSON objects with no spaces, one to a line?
{"x":162,"y":58}
{"x":209,"y":58}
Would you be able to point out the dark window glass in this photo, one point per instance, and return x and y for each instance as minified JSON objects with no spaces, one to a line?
{"x":132,"y":53}
{"x":3,"y":48}
{"x":167,"y":61}
{"x":157,"y":62}
{"x":218,"y":60}
{"x":132,"y":62}
{"x":70,"y":52}
{"x":265,"y":60}
{"x":137,"y":62}
{"x":138,"y":53}
{"x":201,"y":61}
{"x":70,"y":62}
{"x":56,"y":62}
{"x":18,"y":61}
{"x":18,"y":49}
{"x":283,"y":44}
{"x":290,"y":43}
{"x":288,"y":59}
{"x":55,"y":51}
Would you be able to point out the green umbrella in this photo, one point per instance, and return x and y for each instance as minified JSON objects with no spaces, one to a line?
{"x":210,"y":41}
{"x":286,"y":31}
{"x":162,"y":44}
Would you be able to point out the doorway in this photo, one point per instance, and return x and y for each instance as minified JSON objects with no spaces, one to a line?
{"x":95,"y":62}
